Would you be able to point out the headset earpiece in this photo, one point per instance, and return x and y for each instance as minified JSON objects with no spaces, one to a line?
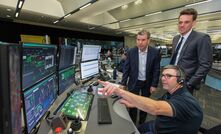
{"x":181,"y":77}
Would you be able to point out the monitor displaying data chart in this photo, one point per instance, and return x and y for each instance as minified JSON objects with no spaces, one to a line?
{"x":89,"y":69}
{"x":37,"y":100}
{"x":66,"y":78}
{"x":39,"y":61}
{"x":90,"y":52}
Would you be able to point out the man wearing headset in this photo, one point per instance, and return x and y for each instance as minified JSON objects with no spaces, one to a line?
{"x":177,"y":111}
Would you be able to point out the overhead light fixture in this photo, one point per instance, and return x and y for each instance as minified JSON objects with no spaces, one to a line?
{"x":56,"y":21}
{"x":153,"y":13}
{"x":124,"y":7}
{"x":67,"y":15}
{"x":91,"y":28}
{"x":20,"y":4}
{"x":16,"y":14}
{"x":19,"y":7}
{"x":75,"y":10}
{"x":138,"y":2}
{"x":197,"y":3}
{"x":125,"y":20}
{"x":8,"y":9}
{"x":88,"y":4}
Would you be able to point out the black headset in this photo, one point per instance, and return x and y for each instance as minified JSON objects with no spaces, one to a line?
{"x":180,"y":73}
{"x":181,"y":77}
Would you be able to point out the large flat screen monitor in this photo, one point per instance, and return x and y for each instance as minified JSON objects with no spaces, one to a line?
{"x":10,"y":89}
{"x":39,"y":61}
{"x":67,"y":56}
{"x":89,"y":69}
{"x":90,"y":52}
{"x":66,"y":79}
{"x":37,"y":101}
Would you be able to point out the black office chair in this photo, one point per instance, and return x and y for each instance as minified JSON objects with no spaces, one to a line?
{"x":213,"y":130}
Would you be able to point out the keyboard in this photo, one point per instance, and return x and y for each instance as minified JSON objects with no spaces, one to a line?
{"x":104,"y":116}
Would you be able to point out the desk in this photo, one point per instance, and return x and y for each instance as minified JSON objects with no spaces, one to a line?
{"x":121,"y":122}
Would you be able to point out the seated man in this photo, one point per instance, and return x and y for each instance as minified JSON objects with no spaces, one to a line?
{"x":121,"y":65}
{"x":177,"y":111}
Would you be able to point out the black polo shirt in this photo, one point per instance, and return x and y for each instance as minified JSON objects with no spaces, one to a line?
{"x":187,"y":114}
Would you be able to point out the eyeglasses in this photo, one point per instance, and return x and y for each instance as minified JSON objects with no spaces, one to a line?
{"x":168,"y":76}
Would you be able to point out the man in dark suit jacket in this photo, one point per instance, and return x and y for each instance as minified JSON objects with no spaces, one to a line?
{"x":142,"y":67}
{"x":194,"y":54}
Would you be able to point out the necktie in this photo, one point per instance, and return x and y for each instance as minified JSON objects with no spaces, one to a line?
{"x":173,"y":59}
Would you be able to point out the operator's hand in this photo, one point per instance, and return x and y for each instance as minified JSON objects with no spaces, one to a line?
{"x":109,"y":88}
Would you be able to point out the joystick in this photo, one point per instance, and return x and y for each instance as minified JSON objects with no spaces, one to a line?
{"x":76,"y":124}
{"x":90,"y":89}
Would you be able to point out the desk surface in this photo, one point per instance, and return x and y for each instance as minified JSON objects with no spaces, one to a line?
{"x":121,"y":122}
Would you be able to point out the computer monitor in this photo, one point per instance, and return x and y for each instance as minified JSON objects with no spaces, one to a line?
{"x":67,"y":56}
{"x":89,"y":69}
{"x":90,"y":52}
{"x":37,"y":100}
{"x":66,"y":79}
{"x":39,"y":61}
{"x":10,"y":89}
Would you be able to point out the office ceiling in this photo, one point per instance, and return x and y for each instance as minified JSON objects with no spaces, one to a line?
{"x":117,"y":17}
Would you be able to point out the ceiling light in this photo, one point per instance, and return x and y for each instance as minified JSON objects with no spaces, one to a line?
{"x":124,"y":7}
{"x":125,"y":20}
{"x":75,"y":10}
{"x":16,"y":15}
{"x":20,"y":4}
{"x":91,"y":28}
{"x":85,"y":6}
{"x":19,"y":7}
{"x":198,"y":3}
{"x":138,"y":2}
{"x":8,"y":9}
{"x":153,"y":13}
{"x":67,"y":15}
{"x":56,"y":21}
